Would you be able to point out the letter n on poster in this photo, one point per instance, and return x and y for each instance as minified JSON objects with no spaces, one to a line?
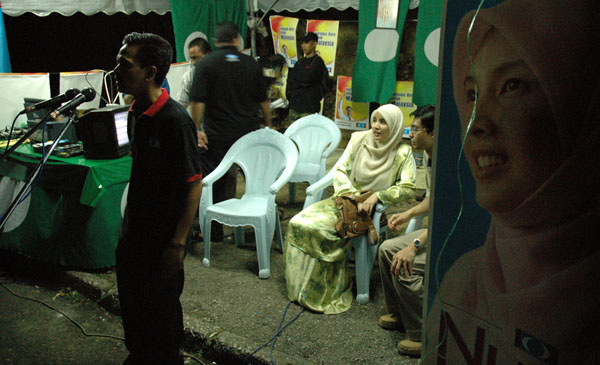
{"x":283,"y":30}
{"x":327,"y":30}
{"x":349,"y":115}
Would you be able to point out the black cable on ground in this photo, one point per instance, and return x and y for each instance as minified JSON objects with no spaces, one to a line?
{"x":185,"y":354}
{"x":273,"y":339}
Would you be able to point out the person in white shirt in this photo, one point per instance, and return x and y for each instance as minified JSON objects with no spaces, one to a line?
{"x":198,"y":48}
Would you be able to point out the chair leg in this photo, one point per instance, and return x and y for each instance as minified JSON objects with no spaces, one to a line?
{"x":238,"y":236}
{"x":278,"y":233}
{"x":363,"y":269}
{"x":292,"y":192}
{"x":206,"y":233}
{"x":264,"y":236}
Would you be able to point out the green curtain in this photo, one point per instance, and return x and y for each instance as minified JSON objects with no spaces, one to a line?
{"x":374,"y":77}
{"x":203,"y":15}
{"x":427,"y":47}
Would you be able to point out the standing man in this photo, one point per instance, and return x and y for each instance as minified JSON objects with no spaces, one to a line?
{"x":197,"y":48}
{"x":306,"y":83}
{"x":228,"y":91}
{"x":164,"y":192}
{"x":402,"y":259}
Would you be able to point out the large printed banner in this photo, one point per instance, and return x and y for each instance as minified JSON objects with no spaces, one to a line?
{"x":402,"y":98}
{"x":513,"y":256}
{"x":349,"y":114}
{"x":283,"y":30}
{"x":327,"y":30}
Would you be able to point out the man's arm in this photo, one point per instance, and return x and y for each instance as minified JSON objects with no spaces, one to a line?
{"x":403,"y":259}
{"x":197,"y":115}
{"x":173,"y":254}
{"x":399,"y":219}
{"x":265,"y":107}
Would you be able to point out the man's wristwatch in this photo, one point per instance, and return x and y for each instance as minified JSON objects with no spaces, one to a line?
{"x":418,"y":244}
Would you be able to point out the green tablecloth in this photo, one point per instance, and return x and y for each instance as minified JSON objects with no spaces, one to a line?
{"x":73,"y":214}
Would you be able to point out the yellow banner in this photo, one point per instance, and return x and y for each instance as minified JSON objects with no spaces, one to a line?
{"x":348,"y":114}
{"x":327,"y":30}
{"x":283,"y":30}
{"x":402,"y":98}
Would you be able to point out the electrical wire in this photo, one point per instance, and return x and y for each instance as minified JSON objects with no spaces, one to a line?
{"x":92,"y":86}
{"x":3,"y":284}
{"x":12,"y":127}
{"x":460,"y":186}
{"x":273,"y":339}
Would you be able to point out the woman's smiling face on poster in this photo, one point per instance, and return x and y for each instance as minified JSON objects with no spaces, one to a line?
{"x":513,"y":144}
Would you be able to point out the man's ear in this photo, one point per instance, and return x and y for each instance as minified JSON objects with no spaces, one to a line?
{"x":151,"y":72}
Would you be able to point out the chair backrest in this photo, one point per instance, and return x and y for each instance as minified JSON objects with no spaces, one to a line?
{"x":264,"y":156}
{"x":316,"y":137}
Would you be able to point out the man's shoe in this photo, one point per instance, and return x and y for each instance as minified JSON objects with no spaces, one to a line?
{"x":409,"y":347}
{"x":391,"y":322}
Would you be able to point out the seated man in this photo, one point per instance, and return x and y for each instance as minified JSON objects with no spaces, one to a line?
{"x":402,"y":259}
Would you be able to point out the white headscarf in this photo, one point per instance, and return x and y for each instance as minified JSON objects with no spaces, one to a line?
{"x":373,"y":161}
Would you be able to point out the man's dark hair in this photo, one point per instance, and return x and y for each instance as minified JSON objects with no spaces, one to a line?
{"x":202,"y":45}
{"x":226,"y":32}
{"x":427,"y":115}
{"x":153,"y":50}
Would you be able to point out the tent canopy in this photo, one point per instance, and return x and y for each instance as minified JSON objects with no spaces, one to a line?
{"x":109,"y":7}
{"x":308,"y":5}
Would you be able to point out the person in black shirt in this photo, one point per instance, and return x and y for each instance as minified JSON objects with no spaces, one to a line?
{"x":227,"y":92}
{"x":163,"y":197}
{"x":306,"y":81}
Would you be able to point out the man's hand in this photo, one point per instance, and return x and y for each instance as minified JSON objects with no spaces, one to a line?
{"x":402,"y":262}
{"x":172,"y":261}
{"x":368,"y":205}
{"x":202,"y":139}
{"x":398,"y":219}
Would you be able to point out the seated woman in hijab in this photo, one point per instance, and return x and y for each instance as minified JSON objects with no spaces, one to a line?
{"x":530,"y":294}
{"x":315,"y":255}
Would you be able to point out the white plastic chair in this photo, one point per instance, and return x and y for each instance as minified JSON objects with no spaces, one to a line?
{"x":316,"y":137}
{"x":364,"y":252}
{"x":268,"y":159}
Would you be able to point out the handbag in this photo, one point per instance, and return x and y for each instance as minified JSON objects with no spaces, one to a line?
{"x":351,"y":222}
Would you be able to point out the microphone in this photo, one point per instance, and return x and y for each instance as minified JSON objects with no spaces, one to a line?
{"x":87,"y":94}
{"x":54,"y":102}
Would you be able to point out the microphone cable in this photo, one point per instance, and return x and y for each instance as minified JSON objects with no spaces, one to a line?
{"x":83,"y":331}
{"x":273,"y":339}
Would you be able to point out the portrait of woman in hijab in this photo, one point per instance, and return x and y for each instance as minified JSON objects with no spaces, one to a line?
{"x":315,"y":254}
{"x":528,"y":106}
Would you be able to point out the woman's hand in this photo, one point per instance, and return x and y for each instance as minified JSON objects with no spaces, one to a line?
{"x":368,"y":205}
{"x":398,"y":219}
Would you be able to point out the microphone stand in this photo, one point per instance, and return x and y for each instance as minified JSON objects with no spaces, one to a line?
{"x":71,"y":119}
{"x":22,"y":139}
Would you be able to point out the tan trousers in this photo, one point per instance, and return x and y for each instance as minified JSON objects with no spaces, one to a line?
{"x":404,"y":296}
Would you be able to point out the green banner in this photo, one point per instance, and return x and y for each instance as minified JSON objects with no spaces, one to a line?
{"x":199,"y":18}
{"x":427,"y":47}
{"x":380,"y":25}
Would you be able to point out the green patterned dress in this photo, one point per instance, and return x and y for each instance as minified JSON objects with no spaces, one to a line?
{"x":315,"y":255}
